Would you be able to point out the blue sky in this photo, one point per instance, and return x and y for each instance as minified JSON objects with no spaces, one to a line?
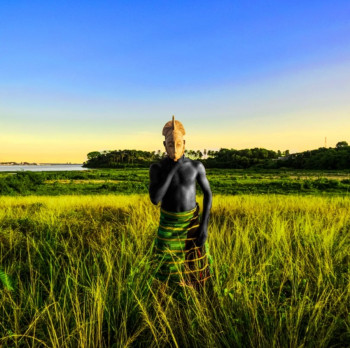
{"x":84,"y":76}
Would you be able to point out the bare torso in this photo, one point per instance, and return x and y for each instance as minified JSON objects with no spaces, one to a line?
{"x":174,"y":185}
{"x":181,"y":193}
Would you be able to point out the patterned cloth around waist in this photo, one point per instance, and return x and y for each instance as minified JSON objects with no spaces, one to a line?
{"x":179,"y":260}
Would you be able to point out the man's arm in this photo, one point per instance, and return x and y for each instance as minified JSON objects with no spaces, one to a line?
{"x":207,"y":200}
{"x":157,"y":188}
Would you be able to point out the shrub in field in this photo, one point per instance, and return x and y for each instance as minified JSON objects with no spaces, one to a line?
{"x":20,"y":183}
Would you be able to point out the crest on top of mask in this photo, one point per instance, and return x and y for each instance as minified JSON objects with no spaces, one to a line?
{"x":173,"y":126}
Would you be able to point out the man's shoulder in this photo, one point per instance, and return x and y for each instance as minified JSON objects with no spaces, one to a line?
{"x":198,"y":165}
{"x":158,"y":165}
{"x":154,"y":166}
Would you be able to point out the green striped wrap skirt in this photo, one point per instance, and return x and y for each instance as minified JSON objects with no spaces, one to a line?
{"x":178,"y":259}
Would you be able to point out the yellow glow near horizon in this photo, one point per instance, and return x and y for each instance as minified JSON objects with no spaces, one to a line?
{"x":63,"y":148}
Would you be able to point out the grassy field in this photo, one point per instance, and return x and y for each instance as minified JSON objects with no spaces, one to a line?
{"x":77,"y":272}
{"x":135,"y":181}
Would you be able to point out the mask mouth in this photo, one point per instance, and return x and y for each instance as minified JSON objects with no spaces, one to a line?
{"x":174,"y":156}
{"x":178,"y":155}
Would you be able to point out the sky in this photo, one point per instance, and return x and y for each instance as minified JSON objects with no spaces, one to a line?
{"x":85,"y":76}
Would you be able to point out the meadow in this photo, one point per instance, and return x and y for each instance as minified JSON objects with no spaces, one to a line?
{"x":77,"y":272}
{"x":135,"y":181}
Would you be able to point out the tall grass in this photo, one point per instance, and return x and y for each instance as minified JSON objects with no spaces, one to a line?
{"x":80,"y":274}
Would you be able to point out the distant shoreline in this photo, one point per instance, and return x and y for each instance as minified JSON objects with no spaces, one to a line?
{"x":36,"y":164}
{"x":47,"y":167}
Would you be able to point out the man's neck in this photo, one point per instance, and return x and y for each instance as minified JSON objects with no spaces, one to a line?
{"x":180,"y":160}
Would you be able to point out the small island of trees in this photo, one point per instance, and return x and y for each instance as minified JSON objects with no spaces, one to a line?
{"x":321,"y":158}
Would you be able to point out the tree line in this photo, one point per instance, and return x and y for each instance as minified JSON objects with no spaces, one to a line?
{"x":322,"y":158}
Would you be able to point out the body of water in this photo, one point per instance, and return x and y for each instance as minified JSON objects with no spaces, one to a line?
{"x":41,"y":168}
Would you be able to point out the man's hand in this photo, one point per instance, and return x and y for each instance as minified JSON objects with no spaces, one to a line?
{"x":160,"y":180}
{"x":202,"y":235}
{"x":172,"y":165}
{"x":207,"y":199}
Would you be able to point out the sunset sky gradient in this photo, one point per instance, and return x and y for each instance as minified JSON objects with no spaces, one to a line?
{"x":82,"y":76}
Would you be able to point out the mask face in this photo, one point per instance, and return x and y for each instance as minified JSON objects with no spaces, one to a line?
{"x":174,"y":145}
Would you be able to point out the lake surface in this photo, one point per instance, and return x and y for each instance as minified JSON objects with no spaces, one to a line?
{"x":41,"y":168}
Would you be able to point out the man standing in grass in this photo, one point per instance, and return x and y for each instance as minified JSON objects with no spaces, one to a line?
{"x":181,"y":246}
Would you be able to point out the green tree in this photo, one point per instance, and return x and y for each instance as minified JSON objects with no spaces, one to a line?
{"x":92,"y":155}
{"x":341,"y":144}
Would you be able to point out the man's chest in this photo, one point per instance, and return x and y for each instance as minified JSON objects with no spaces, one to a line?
{"x":184,"y":176}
